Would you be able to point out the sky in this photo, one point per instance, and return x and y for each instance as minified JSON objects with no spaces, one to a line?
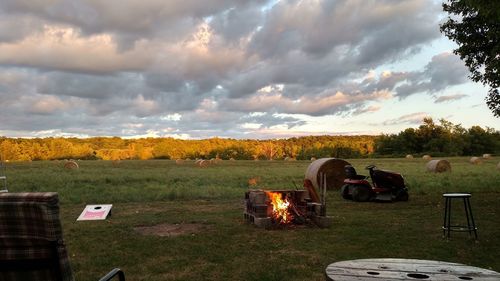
{"x":239,"y":69}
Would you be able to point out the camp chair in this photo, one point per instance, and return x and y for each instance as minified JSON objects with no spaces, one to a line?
{"x":31,"y":243}
{"x":3,"y":177}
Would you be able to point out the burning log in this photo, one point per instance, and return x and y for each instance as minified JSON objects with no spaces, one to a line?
{"x":280,"y":207}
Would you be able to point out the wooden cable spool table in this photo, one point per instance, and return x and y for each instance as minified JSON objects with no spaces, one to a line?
{"x":406,"y":269}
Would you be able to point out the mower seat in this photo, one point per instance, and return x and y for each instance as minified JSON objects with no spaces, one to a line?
{"x":351,"y":173}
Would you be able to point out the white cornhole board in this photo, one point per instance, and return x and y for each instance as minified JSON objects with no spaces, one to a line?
{"x":95,"y":212}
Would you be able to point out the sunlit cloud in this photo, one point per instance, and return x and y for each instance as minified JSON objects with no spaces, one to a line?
{"x":409,"y":119}
{"x":450,"y":98}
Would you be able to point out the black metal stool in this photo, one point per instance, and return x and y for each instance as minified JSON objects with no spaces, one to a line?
{"x":447,"y":227}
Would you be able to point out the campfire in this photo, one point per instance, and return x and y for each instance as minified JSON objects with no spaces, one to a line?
{"x":282,"y":207}
{"x":271,"y":208}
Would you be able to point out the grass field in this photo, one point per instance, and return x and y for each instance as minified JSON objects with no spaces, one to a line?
{"x":148,"y":193}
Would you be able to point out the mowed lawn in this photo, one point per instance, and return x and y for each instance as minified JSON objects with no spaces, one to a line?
{"x":158,"y":192}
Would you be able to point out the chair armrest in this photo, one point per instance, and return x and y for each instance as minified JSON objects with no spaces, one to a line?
{"x":113,"y":273}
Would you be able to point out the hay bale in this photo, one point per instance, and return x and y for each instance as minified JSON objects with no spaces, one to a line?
{"x":475,"y":160}
{"x":204,"y":163}
{"x":179,"y":161}
{"x":486,"y":156}
{"x":313,"y":159}
{"x":333,"y":168}
{"x":290,"y":159}
{"x":71,"y":165}
{"x":426,"y":157}
{"x":409,"y":156}
{"x":231,"y":159}
{"x":215,"y":160}
{"x":438,"y":166}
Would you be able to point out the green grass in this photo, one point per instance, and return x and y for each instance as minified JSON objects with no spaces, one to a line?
{"x":154,"y":192}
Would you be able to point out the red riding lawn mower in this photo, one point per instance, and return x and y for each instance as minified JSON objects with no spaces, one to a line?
{"x":387,"y":185}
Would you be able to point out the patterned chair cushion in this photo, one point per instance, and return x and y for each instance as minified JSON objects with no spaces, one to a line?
{"x":30,"y":229}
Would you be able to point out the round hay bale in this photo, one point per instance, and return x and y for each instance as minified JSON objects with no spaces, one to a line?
{"x":204,"y":163}
{"x":188,"y":159}
{"x":313,"y":159}
{"x":486,"y":156}
{"x":426,"y":157}
{"x":475,"y":160}
{"x":333,"y":168}
{"x":290,"y":159}
{"x":197,"y":162}
{"x":179,"y":161}
{"x":409,"y":156}
{"x":71,"y":165}
{"x":438,"y":166}
{"x":231,"y":159}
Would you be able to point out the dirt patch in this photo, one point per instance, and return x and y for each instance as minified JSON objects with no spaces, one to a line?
{"x":171,"y":229}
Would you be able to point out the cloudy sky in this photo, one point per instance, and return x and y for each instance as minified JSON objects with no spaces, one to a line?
{"x":229,"y":68}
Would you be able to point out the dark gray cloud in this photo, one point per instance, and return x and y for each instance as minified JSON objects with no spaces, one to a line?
{"x":89,"y":86}
{"x":444,"y":70}
{"x":267,"y":120}
{"x":128,"y":19}
{"x":13,"y":28}
{"x":236,"y":23}
{"x":370,"y":28}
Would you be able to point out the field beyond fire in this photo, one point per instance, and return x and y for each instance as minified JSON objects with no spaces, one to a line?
{"x":180,"y":221}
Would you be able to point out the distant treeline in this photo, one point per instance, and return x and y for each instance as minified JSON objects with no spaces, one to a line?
{"x":115,"y":148}
{"x":430,"y":138}
{"x":443,"y":139}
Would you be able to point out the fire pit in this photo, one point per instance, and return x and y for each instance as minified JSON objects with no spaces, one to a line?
{"x":272,"y":208}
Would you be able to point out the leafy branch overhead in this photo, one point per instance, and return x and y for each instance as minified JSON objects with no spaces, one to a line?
{"x":475,"y":26}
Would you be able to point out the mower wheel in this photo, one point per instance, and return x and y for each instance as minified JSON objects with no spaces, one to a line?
{"x":402,"y":195}
{"x":344,"y":192}
{"x":361,"y":193}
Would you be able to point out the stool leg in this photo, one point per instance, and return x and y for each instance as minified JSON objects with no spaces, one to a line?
{"x":447,"y":215}
{"x":449,"y":218}
{"x":466,"y":208}
{"x":472,"y":219}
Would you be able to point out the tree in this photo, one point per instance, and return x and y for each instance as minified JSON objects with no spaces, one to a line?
{"x":475,"y":26}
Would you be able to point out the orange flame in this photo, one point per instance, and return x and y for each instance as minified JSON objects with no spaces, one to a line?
{"x":280,"y":207}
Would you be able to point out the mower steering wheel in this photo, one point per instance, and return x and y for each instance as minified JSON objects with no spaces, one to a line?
{"x":369,"y":167}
